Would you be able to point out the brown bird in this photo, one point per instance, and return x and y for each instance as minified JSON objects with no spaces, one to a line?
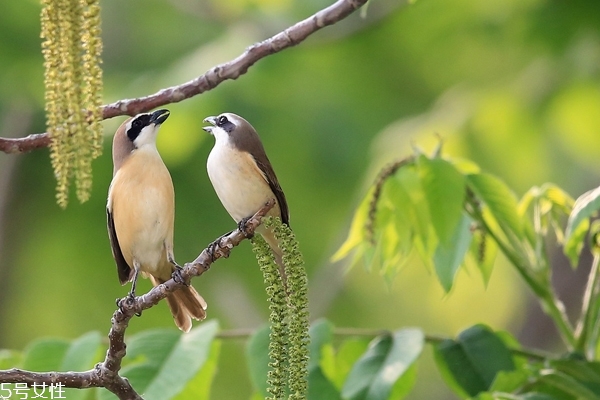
{"x":242,"y":175}
{"x":141,"y":212}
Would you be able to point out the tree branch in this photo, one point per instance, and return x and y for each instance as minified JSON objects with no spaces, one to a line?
{"x":212,"y":78}
{"x":106,"y":373}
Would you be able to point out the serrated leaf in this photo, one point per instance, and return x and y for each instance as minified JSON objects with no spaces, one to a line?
{"x":257,"y":357}
{"x":386,"y":360}
{"x":500,"y":200}
{"x":470,"y":363}
{"x":449,"y":256}
{"x":444,"y":188}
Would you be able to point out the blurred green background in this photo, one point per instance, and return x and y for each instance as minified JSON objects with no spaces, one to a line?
{"x":512,"y":84}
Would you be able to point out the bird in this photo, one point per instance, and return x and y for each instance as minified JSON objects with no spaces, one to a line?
{"x":242,"y":175}
{"x":140,"y":215}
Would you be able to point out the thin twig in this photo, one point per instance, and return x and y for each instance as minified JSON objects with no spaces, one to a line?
{"x":212,"y":78}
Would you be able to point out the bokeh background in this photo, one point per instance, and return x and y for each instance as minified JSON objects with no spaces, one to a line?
{"x":512,"y":84}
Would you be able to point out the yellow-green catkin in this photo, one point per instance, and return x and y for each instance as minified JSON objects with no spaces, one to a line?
{"x":278,"y":337}
{"x":297,"y":309}
{"x":72,"y":49}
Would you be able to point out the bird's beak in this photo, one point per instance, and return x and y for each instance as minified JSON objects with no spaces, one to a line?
{"x":159,"y":116}
{"x":212,"y":121}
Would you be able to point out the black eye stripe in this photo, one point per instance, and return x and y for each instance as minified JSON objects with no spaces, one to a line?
{"x":139,"y":123}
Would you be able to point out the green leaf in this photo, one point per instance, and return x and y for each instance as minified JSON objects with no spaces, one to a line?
{"x":186,"y":357}
{"x":500,"y":200}
{"x":386,"y":360}
{"x":575,"y":241}
{"x":80,"y":356}
{"x":356,"y":235}
{"x":444,"y":187}
{"x":45,"y":355}
{"x":321,"y":333}
{"x":257,"y":356}
{"x":82,"y":352}
{"x":319,"y":387}
{"x":405,"y":384}
{"x":470,"y":364}
{"x":337,"y":365}
{"x":583,"y":371}
{"x":568,"y":384}
{"x":510,"y":381}
{"x":161,"y":362}
{"x":509,"y":396}
{"x":10,"y":359}
{"x":449,"y":256}
{"x":199,"y":386}
{"x":484,"y":251}
{"x":412,"y":208}
{"x":586,"y":205}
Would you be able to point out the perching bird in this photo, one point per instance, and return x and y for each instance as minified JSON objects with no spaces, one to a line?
{"x":242,"y":175}
{"x":141,"y":211}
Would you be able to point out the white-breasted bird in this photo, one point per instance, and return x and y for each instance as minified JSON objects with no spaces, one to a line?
{"x":242,"y":175}
{"x":141,"y":211}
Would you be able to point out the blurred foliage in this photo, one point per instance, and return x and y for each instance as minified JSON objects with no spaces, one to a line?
{"x":512,"y":85}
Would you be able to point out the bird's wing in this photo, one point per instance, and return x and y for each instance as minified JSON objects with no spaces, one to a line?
{"x":271,"y":179}
{"x":123,"y":268}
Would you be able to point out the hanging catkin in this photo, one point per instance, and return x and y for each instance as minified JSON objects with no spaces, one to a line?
{"x":72,"y":47}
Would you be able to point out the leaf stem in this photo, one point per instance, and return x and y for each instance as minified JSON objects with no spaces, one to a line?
{"x":551,"y":305}
{"x":586,"y":332}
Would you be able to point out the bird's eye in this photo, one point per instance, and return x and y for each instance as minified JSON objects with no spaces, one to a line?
{"x":222,"y":120}
{"x":136,"y":123}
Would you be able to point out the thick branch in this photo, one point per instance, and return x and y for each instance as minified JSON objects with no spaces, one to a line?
{"x":213,"y":77}
{"x":106,"y":373}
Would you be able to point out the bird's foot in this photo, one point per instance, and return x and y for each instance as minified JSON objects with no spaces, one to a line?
{"x":215,"y":247}
{"x":177,"y":277}
{"x":127,"y":303}
{"x":242,"y":227}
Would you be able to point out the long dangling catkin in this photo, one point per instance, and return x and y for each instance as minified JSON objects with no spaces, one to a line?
{"x":278,"y":338}
{"x":297,"y":309}
{"x":72,"y":48}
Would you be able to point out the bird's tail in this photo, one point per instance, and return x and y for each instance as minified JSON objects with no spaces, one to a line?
{"x":185,"y":304}
{"x":269,"y":237}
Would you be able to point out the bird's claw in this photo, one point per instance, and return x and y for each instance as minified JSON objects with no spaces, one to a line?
{"x":242,"y":228}
{"x":177,"y":277}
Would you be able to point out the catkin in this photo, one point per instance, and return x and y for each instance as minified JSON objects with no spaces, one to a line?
{"x":72,"y":47}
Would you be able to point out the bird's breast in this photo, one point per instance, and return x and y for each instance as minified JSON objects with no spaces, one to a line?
{"x":238,"y":182}
{"x":141,"y":199}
